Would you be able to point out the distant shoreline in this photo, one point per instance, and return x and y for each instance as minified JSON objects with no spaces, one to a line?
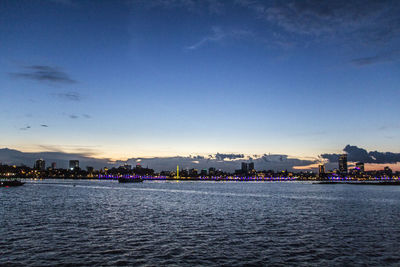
{"x":316,"y":182}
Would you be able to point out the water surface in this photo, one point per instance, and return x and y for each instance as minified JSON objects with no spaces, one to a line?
{"x":54,"y":222}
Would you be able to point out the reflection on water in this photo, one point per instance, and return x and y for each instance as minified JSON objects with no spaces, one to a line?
{"x":198,"y":223}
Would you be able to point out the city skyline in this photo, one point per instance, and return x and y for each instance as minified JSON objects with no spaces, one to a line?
{"x":349,"y":159}
{"x":159,"y":79}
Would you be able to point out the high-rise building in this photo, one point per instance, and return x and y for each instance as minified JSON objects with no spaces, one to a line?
{"x":73,"y":164}
{"x":321,"y":170}
{"x":54,"y":165}
{"x":40,"y":165}
{"x":251,"y":166}
{"x":360,"y":167}
{"x":343,"y":164}
{"x":245,"y":167}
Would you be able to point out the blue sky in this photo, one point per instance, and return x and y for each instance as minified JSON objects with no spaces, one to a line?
{"x":123,"y":79}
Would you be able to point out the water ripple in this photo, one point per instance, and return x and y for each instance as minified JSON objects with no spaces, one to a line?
{"x":47,"y":223}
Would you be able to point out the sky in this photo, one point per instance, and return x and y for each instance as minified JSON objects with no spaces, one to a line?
{"x":129,"y":79}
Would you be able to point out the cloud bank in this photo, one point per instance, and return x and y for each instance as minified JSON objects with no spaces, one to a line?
{"x":355,"y":154}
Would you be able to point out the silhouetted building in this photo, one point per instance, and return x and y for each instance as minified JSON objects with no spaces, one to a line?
{"x":73,"y":164}
{"x":126,"y":167}
{"x":54,"y":165}
{"x":203,"y":172}
{"x":388,"y":171}
{"x":89,"y":169}
{"x":343,"y":164}
{"x":360,"y":167}
{"x":211,"y":171}
{"x":40,"y":165}
{"x":245,"y":167}
{"x":193,"y":172}
{"x":251,"y":166}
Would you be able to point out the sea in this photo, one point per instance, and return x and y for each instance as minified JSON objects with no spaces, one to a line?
{"x":198,"y":223}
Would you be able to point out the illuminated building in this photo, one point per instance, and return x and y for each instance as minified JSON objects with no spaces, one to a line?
{"x":177,"y":171}
{"x":321,"y":170}
{"x":343,"y":164}
{"x":40,"y":165}
{"x":73,"y":164}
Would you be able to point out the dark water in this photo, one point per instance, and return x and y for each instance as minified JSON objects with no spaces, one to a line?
{"x":199,"y":223}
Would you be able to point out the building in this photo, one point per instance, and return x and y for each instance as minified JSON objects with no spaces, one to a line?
{"x":387,"y":171}
{"x":53,"y":165}
{"x":245,"y":167}
{"x":211,"y":171}
{"x":343,"y":164}
{"x":193,"y":172}
{"x":321,"y":170}
{"x":73,"y":164}
{"x":126,"y":167}
{"x":40,"y":165}
{"x":251,"y":166}
{"x":360,"y":167}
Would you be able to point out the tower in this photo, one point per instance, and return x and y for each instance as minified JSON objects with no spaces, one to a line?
{"x":321,"y":170}
{"x":177,"y":171}
{"x":40,"y":165}
{"x":343,"y":164}
{"x":245,"y":167}
{"x":73,"y":164}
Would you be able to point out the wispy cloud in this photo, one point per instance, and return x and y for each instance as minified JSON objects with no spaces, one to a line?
{"x":70,"y":96}
{"x":76,"y":116}
{"x":218,"y":35}
{"x":43,"y":73}
{"x":25,"y":128}
{"x":382,"y":58}
{"x":195,"y":6}
{"x":368,"y":21}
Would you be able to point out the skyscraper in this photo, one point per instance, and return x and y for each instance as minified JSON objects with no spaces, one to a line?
{"x":321,"y":170}
{"x":40,"y":165}
{"x":54,"y":165}
{"x":245,"y":167}
{"x":73,"y":164}
{"x":343,"y":164}
{"x":251,"y":166}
